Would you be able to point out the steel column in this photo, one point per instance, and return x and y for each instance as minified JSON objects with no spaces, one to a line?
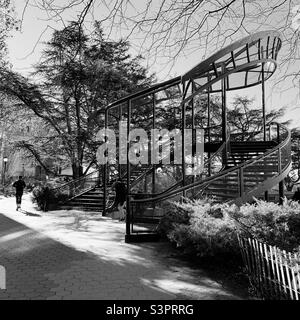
{"x":267,"y":195}
{"x":208,"y":123}
{"x":105,"y":169}
{"x":183,"y":124}
{"x":224,"y":116}
{"x":281,"y":192}
{"x":153,"y":127}
{"x":128,"y":209}
{"x":263,"y":97}
{"x":119,"y":165}
{"x":193,"y":134}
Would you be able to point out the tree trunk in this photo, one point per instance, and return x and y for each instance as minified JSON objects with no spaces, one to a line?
{"x":77,"y":170}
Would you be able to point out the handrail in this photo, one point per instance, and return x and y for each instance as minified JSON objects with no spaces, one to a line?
{"x":163,"y":85}
{"x":78,"y":186}
{"x":218,"y":152}
{"x":220,"y":149}
{"x":222,"y":173}
{"x":75,"y":180}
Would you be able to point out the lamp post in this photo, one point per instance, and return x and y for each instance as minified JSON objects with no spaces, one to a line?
{"x":5,"y":159}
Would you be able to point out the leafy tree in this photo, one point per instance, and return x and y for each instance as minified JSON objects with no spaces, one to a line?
{"x":79,"y":75}
{"x":245,"y":121}
{"x":243,"y":117}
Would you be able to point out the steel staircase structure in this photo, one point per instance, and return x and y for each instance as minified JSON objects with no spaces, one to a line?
{"x":86,"y":193}
{"x":233,"y":171}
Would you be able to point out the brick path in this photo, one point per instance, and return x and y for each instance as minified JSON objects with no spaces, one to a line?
{"x":75,"y":255}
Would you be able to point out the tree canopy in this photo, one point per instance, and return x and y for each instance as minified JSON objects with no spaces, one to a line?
{"x":78,"y":74}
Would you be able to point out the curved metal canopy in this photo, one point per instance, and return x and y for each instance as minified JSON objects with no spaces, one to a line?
{"x":242,"y":63}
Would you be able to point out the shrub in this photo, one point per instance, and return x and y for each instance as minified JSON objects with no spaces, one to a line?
{"x":47,"y":198}
{"x":201,"y":227}
{"x":205,"y":228}
{"x":277,"y":225}
{"x":174,"y":215}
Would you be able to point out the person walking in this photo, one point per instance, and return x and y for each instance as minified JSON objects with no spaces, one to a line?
{"x":19,"y":185}
{"x":120,"y":200}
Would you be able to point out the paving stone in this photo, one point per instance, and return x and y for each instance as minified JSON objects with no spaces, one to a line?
{"x":44,"y":262}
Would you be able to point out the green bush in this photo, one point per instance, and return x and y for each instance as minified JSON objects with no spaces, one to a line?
{"x":47,"y":198}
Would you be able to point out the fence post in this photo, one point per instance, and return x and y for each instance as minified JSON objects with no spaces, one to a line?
{"x":274,"y":273}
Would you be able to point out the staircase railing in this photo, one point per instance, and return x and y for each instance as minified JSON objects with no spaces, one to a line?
{"x":81,"y":185}
{"x":153,"y":208}
{"x":209,"y":168}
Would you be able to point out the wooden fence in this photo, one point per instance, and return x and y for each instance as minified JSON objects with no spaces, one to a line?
{"x":273,"y":273}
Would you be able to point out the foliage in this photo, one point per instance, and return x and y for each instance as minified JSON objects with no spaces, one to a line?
{"x":245,"y":121}
{"x":244,"y":116}
{"x":8,"y":22}
{"x":78,"y":75}
{"x":208,"y":229}
{"x":46,"y":197}
{"x":201,"y":227}
{"x":277,"y":225}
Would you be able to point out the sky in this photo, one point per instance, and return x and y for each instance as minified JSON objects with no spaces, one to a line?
{"x":25,"y":49}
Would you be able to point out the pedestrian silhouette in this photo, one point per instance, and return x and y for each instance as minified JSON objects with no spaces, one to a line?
{"x":121,"y":195}
{"x":19,"y":185}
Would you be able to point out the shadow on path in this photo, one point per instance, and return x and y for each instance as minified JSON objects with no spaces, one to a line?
{"x":39,"y":267}
{"x":31,"y":214}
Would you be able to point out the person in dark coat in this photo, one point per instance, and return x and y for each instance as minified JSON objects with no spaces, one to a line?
{"x":121,"y":195}
{"x":19,"y":185}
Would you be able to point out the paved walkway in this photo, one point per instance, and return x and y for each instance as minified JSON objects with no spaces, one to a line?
{"x":76,"y":255}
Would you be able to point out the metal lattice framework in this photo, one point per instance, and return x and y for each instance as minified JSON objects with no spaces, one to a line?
{"x":246,"y":63}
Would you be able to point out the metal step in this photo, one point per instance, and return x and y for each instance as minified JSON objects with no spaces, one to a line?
{"x":96,"y":210}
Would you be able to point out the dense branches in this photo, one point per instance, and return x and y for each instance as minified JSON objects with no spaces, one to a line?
{"x":7,"y":23}
{"x":80,"y":74}
{"x":169,"y":28}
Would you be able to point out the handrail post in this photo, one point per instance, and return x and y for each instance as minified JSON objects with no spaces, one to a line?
{"x":118,"y":143}
{"x":281,"y":192}
{"x":241,"y":181}
{"x":104,"y":168}
{"x":208,"y":124}
{"x":263,"y":100}
{"x":193,"y":135}
{"x":280,"y":186}
{"x":153,"y":190}
{"x":183,"y":125}
{"x":128,"y":209}
{"x":224,"y":117}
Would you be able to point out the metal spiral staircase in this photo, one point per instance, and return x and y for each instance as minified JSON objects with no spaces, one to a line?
{"x":233,"y":171}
